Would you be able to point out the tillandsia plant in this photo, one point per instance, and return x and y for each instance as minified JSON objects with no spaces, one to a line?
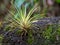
{"x":22,"y":19}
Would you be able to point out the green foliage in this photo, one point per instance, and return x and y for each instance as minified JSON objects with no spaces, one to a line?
{"x":1,"y":38}
{"x":36,"y":1}
{"x":58,"y":1}
{"x":52,"y":33}
{"x":48,"y":32}
{"x":58,"y":30}
{"x":30,"y":39}
{"x":18,"y":32}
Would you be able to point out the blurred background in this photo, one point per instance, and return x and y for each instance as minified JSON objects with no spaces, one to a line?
{"x":53,"y":6}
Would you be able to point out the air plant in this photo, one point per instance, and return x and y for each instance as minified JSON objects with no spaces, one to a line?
{"x":22,"y":19}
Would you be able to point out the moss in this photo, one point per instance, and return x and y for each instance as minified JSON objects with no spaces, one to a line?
{"x":1,"y":38}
